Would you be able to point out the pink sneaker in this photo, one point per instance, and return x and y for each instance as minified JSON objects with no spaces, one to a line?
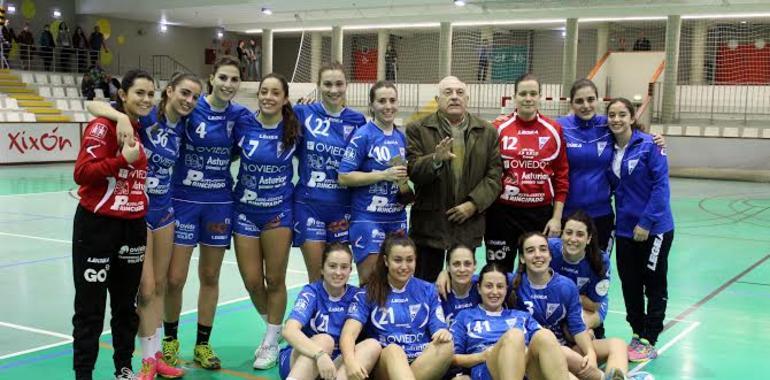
{"x":642,"y":351}
{"x":165,"y":370}
{"x":148,"y":369}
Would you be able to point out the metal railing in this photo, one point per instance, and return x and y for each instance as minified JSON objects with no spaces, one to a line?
{"x":57,"y":59}
{"x":164,"y":66}
{"x":746,"y":104}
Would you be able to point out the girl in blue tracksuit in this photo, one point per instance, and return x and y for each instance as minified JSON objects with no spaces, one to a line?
{"x":645,"y":226}
{"x":589,"y":152}
{"x":500,"y":343}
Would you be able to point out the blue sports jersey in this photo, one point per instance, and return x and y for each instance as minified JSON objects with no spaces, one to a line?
{"x":319,"y":313}
{"x":409,"y":317}
{"x":320,"y":151}
{"x":476,"y":329}
{"x":589,"y":152}
{"x":553,"y":305}
{"x":455,"y":303}
{"x":266,"y":170}
{"x":160,"y":140}
{"x":594,"y":286}
{"x":642,"y":193}
{"x":369,"y":150}
{"x":202,"y":173}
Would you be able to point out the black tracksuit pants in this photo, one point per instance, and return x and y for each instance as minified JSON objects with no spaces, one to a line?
{"x":642,"y":267}
{"x":107,"y":255}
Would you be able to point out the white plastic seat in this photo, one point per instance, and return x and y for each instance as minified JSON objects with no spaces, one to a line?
{"x":28,"y":117}
{"x":13,"y":117}
{"x":73,"y":93}
{"x":55,"y":79}
{"x":68,"y":80}
{"x":58,"y":92}
{"x":99,"y":94}
{"x":62,"y":104}
{"x":41,"y":78}
{"x":27,"y":78}
{"x":44,"y":91}
{"x":80,"y":117}
{"x":11,"y":104}
{"x":76,"y":105}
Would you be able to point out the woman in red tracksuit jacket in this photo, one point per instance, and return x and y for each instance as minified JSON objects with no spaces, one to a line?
{"x":535,"y":175}
{"x":109,"y":233}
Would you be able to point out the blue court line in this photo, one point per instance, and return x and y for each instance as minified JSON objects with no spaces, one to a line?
{"x":27,"y":262}
{"x":36,"y":359}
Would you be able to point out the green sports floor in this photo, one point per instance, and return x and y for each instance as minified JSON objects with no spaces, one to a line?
{"x":718,"y":324}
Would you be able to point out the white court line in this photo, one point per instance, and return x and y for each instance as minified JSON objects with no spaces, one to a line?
{"x":35,"y":238}
{"x":33,"y":194}
{"x":69,"y":339}
{"x":34,"y":330}
{"x":668,"y":345}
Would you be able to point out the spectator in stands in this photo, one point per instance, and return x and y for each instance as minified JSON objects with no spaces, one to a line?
{"x":88,"y":87}
{"x":46,"y":47}
{"x":96,"y":43}
{"x":642,"y":43}
{"x":484,"y":51}
{"x":391,"y":63}
{"x":80,"y":43}
{"x":64,"y":42}
{"x":248,"y":52}
{"x":112,"y":87}
{"x":26,"y":42}
{"x":454,"y":162}
{"x":9,"y":36}
{"x":257,"y":60}
{"x":241,"y":50}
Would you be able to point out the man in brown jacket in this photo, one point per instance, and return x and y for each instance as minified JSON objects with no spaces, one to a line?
{"x":454,"y":163}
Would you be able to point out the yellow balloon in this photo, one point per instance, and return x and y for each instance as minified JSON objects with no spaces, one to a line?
{"x":28,"y":9}
{"x":121,"y":39}
{"x":105,"y":27}
{"x":55,"y":29}
{"x":106,"y":58}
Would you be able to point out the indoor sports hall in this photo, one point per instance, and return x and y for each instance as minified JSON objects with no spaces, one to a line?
{"x":697,"y":70}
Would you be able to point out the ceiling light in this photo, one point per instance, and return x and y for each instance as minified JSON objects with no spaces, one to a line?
{"x":220,"y":34}
{"x":266,"y":11}
{"x":163,"y":27}
{"x":56,"y":13}
{"x":11,"y":9}
{"x":460,"y":3}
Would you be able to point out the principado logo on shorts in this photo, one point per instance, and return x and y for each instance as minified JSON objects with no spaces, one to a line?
{"x":93,"y":275}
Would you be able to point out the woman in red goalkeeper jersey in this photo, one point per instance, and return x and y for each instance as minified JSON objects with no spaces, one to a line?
{"x":535,"y":175}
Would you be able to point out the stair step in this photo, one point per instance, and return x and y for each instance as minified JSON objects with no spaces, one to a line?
{"x":54,"y":118}
{"x":11,"y":83}
{"x":36,"y":103}
{"x":27,"y":97}
{"x":17,"y":90}
{"x":44,"y":111}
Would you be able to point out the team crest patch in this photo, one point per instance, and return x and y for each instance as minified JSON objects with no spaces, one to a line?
{"x":632,"y":165}
{"x":511,"y":322}
{"x":581,"y":281}
{"x":413,"y":310}
{"x":348,"y":129}
{"x":99,"y":131}
{"x":550,"y":309}
{"x":600,"y":147}
{"x":542,"y":141}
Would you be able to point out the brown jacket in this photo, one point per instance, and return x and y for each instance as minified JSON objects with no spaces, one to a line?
{"x":434,"y":188}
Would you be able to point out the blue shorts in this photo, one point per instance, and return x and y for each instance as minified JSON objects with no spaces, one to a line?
{"x":326,"y":223}
{"x":284,"y":362}
{"x":367,"y":237}
{"x":208,"y":224}
{"x":251,"y":224}
{"x":480,"y":372}
{"x":158,"y":218}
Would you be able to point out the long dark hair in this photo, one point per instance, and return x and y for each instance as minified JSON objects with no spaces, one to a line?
{"x":128,"y":81}
{"x":580,"y":84}
{"x":378,"y":288}
{"x":631,"y":109}
{"x":175,"y":80}
{"x":290,"y":123}
{"x":521,"y":267}
{"x":593,"y":252}
{"x":489,"y":268}
{"x":225,"y":60}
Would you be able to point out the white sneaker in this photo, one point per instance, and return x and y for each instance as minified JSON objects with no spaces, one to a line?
{"x":266,"y":357}
{"x":126,"y":374}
